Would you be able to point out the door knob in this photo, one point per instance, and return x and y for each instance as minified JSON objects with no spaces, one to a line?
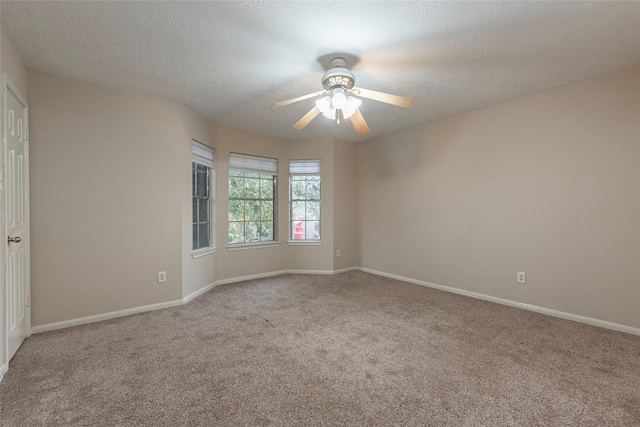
{"x":16,"y":239}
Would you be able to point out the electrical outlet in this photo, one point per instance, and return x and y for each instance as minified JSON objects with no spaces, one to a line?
{"x":521,"y":277}
{"x":338,"y":252}
{"x":162,"y":276}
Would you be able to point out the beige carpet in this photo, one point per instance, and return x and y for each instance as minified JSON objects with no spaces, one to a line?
{"x":347,"y":350}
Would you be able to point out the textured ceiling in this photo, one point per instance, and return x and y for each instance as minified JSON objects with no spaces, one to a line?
{"x":231,"y":60}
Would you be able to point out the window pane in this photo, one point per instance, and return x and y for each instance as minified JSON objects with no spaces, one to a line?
{"x":266,"y":231}
{"x":252,"y":210}
{"x":195,"y":237}
{"x":266,"y":189}
{"x":305,"y":234}
{"x":312,"y":230}
{"x":266,"y":210}
{"x":236,"y":232}
{"x":201,"y":186}
{"x":195,"y":210}
{"x":297,"y":230}
{"x":313,"y":189}
{"x":251,"y":232}
{"x":251,"y":207}
{"x":298,"y":189}
{"x":305,"y":207}
{"x":297,"y":210}
{"x":313,"y":210}
{"x":203,"y":211}
{"x":235,"y":187}
{"x":201,"y":206}
{"x":203,"y":235}
{"x":236,"y":210}
{"x":251,"y":186}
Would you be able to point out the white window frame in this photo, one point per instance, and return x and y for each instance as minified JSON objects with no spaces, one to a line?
{"x":262,"y":165}
{"x":204,"y":156}
{"x":310,"y":167}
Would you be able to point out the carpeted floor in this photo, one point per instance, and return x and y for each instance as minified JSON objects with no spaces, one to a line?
{"x":347,"y":350}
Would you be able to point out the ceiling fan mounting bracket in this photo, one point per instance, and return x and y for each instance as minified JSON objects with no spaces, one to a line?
{"x":338,"y":62}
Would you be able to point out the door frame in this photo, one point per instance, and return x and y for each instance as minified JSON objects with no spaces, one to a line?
{"x":8,"y":86}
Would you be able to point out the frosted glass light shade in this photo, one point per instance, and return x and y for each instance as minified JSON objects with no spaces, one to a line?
{"x":339,"y":101}
{"x":325,"y":107}
{"x":328,"y":106}
{"x":351,"y":107}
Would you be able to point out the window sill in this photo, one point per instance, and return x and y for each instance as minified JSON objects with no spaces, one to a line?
{"x":257,"y":245}
{"x":202,"y":252}
{"x":304,"y":242}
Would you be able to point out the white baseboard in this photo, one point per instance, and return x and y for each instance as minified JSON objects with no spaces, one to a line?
{"x":281,"y":272}
{"x":103,"y":316}
{"x":345,"y":270}
{"x":184,"y":300}
{"x":327,"y":272}
{"x":199,"y":292}
{"x":192,"y":296}
{"x":251,"y":277}
{"x":260,"y":276}
{"x":555,"y":313}
{"x":3,"y":370}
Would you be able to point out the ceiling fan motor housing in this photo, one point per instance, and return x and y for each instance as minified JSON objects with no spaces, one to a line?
{"x":338,"y":75}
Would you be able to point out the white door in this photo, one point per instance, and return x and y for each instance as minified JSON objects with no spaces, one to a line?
{"x":16,"y":214}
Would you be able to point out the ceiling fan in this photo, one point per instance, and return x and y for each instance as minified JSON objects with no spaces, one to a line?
{"x":337,"y":104}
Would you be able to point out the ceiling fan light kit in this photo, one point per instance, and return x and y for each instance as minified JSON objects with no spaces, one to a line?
{"x":336,"y":104}
{"x":329,"y":105}
{"x":337,"y":98}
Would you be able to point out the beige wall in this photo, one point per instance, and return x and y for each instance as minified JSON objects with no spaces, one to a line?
{"x":249,"y":262}
{"x":344,"y":211}
{"x":313,"y":257}
{"x":261,"y":260}
{"x":255,"y":261}
{"x":106,"y":205}
{"x":111,"y":201}
{"x":196,"y":272}
{"x":548,"y":184}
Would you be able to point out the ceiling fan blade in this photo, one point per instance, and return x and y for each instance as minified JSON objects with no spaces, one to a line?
{"x":359,"y":124}
{"x":383,"y":97}
{"x":306,"y":119}
{"x":300,"y":98}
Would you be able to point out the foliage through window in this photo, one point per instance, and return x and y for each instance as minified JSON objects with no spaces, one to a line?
{"x":252,"y":196}
{"x":201,"y":206}
{"x":304,"y":190}
{"x":202,"y":190}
